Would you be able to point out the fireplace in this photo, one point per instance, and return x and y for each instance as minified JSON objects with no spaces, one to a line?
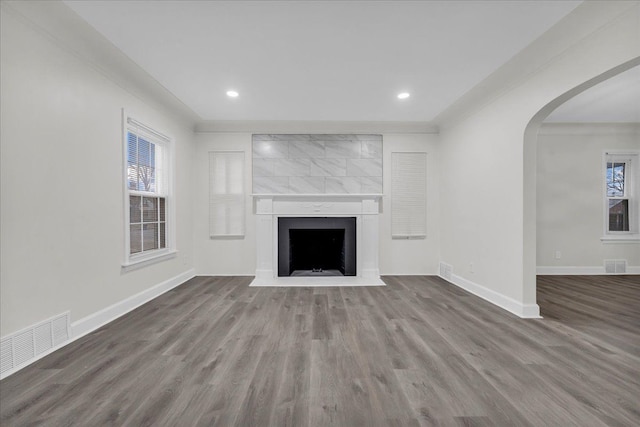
{"x":316,"y":246}
{"x":279,"y":262}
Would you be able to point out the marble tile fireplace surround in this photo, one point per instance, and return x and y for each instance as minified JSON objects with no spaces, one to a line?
{"x":317,"y":176}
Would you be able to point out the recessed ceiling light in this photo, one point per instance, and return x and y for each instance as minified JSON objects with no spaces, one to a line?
{"x":232,"y":94}
{"x":404,"y":95}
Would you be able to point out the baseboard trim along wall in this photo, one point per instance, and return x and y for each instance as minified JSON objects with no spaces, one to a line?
{"x":579,"y":271}
{"x":525,"y":311}
{"x":90,"y":323}
{"x":100,"y":318}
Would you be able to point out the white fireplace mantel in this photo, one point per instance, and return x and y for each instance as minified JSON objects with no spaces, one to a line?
{"x":364,"y":207}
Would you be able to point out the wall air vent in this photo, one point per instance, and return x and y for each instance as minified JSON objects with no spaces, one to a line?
{"x":446,"y":271}
{"x":615,"y":266}
{"x":23,"y":347}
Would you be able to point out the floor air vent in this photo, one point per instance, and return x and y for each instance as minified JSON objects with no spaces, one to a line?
{"x":25,"y":346}
{"x":615,"y":266}
{"x":445,"y":271}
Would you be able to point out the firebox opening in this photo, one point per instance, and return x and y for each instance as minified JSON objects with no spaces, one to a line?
{"x":316,"y":252}
{"x":317,"y":246}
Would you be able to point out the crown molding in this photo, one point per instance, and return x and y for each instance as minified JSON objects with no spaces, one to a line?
{"x":308,"y":127}
{"x":589,"y":129}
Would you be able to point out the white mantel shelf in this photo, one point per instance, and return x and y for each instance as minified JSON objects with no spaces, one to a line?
{"x":364,"y":207}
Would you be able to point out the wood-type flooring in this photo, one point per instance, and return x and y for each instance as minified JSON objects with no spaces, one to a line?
{"x":418,"y":352}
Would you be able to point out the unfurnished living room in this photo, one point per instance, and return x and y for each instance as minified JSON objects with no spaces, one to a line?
{"x":320,"y":213}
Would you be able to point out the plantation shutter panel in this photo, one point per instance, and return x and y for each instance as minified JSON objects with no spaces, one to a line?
{"x":226,"y":194}
{"x":408,"y":195}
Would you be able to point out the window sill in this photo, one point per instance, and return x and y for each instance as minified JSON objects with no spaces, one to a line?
{"x":147,"y":260}
{"x":621,"y":238}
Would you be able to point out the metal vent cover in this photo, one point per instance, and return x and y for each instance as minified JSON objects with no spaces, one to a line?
{"x":23,"y":347}
{"x":446,"y":270}
{"x":615,"y":266}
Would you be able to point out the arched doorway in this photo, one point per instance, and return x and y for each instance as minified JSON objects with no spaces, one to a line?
{"x":530,"y":170}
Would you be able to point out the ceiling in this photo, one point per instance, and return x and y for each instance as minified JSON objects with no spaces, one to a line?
{"x":321,"y":60}
{"x":615,"y":100}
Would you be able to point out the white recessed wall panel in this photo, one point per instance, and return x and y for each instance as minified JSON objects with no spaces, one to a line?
{"x":226,"y":194}
{"x":408,"y":195}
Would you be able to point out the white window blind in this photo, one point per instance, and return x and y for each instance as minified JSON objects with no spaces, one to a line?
{"x":408,"y":195}
{"x":226,"y":194}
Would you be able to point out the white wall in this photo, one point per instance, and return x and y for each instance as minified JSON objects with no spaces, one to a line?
{"x":487,"y":170}
{"x":570,"y":213}
{"x":237,"y":256}
{"x":62,"y":220}
{"x":227,"y":256}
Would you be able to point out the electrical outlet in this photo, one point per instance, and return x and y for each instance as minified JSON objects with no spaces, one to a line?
{"x":471,"y":267}
{"x":558,"y":254}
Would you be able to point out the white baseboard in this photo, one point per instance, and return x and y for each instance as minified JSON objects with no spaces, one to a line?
{"x":94,"y":321}
{"x":577,"y":271}
{"x":410,"y":274}
{"x":525,"y":311}
{"x":100,"y":318}
{"x":225,"y":274}
{"x":316,"y":281}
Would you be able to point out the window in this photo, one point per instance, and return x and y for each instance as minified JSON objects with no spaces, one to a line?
{"x":621,"y":213}
{"x":147,"y":192}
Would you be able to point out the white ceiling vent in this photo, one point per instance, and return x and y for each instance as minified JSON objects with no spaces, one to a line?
{"x":23,"y":347}
{"x":615,"y":266}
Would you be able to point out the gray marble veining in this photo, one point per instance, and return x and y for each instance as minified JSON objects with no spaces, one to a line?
{"x":271,"y":185}
{"x":263,"y":167}
{"x":306,"y":149}
{"x":364,"y":167}
{"x":306,"y":185}
{"x":342,"y":149}
{"x":342,"y":185}
{"x":371,"y":149}
{"x":292,"y":167}
{"x":328,"y":167}
{"x":270,"y":149}
{"x":371,"y":184}
{"x":317,"y":163}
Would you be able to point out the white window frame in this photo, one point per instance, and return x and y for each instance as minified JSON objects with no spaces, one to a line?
{"x":632,"y":190}
{"x":138,"y":260}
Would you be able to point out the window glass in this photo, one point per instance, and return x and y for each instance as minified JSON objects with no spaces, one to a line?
{"x":618,"y":215}
{"x":615,"y":179}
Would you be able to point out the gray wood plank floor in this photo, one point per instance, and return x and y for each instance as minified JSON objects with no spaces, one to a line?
{"x":419,"y":352}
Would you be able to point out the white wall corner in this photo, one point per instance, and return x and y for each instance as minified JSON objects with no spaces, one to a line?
{"x":90,"y":323}
{"x":525,"y":311}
